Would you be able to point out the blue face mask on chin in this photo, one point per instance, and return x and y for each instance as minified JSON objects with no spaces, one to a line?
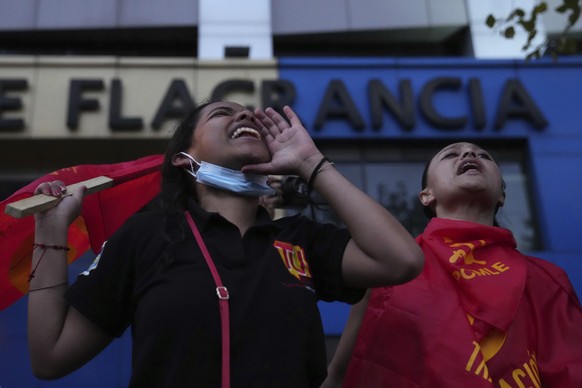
{"x":249,"y":184}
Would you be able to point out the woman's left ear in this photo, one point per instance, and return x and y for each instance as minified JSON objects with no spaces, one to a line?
{"x":426,"y":197}
{"x":179,"y":160}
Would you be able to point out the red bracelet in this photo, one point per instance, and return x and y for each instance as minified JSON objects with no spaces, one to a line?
{"x":45,"y":247}
{"x":47,"y":287}
{"x":56,"y":247}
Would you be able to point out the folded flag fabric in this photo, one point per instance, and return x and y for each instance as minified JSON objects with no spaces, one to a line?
{"x":481,"y":314}
{"x":135,"y":183}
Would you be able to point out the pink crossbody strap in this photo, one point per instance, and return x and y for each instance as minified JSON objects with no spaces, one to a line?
{"x":223,"y":297}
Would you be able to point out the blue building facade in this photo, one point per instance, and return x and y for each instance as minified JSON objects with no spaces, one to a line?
{"x":532,"y":108}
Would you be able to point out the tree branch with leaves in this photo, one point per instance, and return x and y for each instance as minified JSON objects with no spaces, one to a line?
{"x":528,"y":21}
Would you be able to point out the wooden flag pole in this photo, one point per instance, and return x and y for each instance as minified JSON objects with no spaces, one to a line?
{"x":41,"y":202}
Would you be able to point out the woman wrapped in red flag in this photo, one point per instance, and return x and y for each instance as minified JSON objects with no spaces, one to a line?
{"x":168,"y":272}
{"x":481,"y":314}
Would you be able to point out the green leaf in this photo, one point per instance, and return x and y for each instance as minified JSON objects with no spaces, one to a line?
{"x":574,"y":4}
{"x":540,"y":8}
{"x":509,"y":32}
{"x":562,"y":8}
{"x":490,"y":21}
{"x":518,"y":12}
{"x":528,"y":25}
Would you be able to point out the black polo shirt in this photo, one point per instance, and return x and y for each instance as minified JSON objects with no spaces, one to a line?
{"x":275,"y":274}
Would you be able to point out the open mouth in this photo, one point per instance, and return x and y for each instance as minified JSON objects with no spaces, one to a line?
{"x":245,"y":132}
{"x":463,"y":168}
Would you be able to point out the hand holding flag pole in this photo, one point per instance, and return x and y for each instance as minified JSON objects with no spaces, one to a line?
{"x":42,"y":202}
{"x":119,"y":190}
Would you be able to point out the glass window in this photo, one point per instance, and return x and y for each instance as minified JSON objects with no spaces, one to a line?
{"x":392,"y":174}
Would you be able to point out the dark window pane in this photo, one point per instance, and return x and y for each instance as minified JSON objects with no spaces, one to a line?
{"x":392,"y":176}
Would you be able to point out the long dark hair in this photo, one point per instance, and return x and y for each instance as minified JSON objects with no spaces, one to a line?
{"x":177,"y":189}
{"x":177,"y":186}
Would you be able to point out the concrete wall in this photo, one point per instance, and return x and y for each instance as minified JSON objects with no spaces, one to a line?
{"x":73,"y":14}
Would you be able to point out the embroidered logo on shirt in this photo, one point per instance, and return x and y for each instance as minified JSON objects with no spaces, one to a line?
{"x":293,"y":257}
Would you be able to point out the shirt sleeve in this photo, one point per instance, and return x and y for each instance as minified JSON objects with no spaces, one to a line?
{"x":103,"y":293}
{"x":328,"y":243}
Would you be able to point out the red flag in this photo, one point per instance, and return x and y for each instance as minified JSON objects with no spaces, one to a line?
{"x":429,"y":332}
{"x":490,"y":288}
{"x":135,"y":183}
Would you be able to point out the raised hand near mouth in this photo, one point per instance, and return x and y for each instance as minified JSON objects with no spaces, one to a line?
{"x":292,"y":149}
